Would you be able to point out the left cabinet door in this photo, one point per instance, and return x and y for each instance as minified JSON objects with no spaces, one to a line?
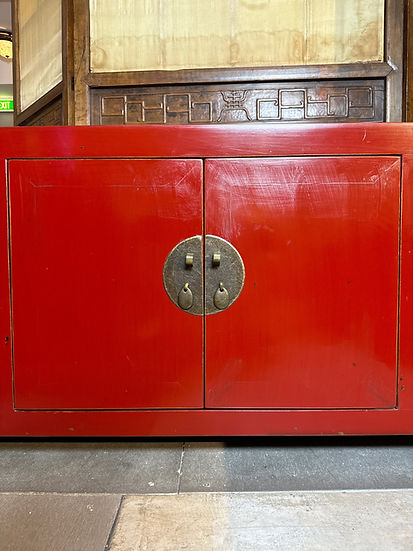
{"x":93,"y":327}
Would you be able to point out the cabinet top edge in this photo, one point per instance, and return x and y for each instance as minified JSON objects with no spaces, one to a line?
{"x":199,"y":141}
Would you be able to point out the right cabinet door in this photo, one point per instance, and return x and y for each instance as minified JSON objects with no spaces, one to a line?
{"x":316,"y":323}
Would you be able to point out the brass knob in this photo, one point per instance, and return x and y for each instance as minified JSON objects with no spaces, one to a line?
{"x":216,"y":260}
{"x":189,"y":260}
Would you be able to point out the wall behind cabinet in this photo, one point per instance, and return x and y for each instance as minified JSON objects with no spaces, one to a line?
{"x":234,"y":61}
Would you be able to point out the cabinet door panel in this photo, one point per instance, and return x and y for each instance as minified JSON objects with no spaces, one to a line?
{"x":316,"y":323}
{"x":92,"y":324}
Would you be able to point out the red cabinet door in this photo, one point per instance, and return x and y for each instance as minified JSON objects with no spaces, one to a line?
{"x":92,"y":324}
{"x":316,"y":323}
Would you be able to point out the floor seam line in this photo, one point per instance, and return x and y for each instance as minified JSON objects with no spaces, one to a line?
{"x":178,"y":486}
{"x":114,"y":524}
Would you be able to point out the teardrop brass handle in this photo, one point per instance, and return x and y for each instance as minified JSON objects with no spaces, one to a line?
{"x":221,"y":297}
{"x":183,"y":276}
{"x":194,"y":272}
{"x":185,"y":297}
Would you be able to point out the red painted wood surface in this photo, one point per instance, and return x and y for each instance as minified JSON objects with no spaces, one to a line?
{"x":316,"y":323}
{"x":92,"y":325}
{"x":206,"y":142}
{"x":227,"y":140}
{"x":405,"y":375}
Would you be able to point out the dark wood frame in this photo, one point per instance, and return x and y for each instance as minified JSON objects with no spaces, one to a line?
{"x":74,"y":91}
{"x":408,"y":62}
{"x":394,"y":47}
{"x":68,"y":62}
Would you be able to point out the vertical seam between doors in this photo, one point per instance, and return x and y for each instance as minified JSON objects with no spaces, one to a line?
{"x":203,"y":286}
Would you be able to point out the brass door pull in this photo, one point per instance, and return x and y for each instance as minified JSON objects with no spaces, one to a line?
{"x":194,"y":272}
{"x":221,"y":297}
{"x":182,"y":275}
{"x":185,"y":297}
{"x":223,"y":263}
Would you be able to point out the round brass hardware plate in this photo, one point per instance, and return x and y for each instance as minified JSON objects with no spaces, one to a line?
{"x":187,"y":264}
{"x":183,"y":266}
{"x":228,"y":274}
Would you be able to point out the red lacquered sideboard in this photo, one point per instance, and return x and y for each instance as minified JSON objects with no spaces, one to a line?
{"x":206,"y":280}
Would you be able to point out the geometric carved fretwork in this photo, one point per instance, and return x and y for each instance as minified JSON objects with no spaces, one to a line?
{"x":50,"y":115}
{"x":311,"y":101}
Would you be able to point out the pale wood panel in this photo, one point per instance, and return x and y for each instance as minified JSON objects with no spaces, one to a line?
{"x":347,"y":31}
{"x":125,"y":35}
{"x":188,"y":34}
{"x":40,"y":47}
{"x":196,"y":33}
{"x":270,"y":32}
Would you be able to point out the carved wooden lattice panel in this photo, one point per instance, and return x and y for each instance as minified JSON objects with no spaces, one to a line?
{"x":304,"y":102}
{"x":50,"y":115}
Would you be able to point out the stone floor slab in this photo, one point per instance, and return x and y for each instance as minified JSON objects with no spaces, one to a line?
{"x":125,"y":467}
{"x":310,"y":464}
{"x":52,"y":522}
{"x":306,"y":521}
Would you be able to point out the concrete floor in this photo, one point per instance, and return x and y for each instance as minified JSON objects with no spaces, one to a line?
{"x":275,"y":493}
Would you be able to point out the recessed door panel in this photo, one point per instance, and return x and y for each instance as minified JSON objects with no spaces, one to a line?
{"x":315,"y":325}
{"x":92,"y":324}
